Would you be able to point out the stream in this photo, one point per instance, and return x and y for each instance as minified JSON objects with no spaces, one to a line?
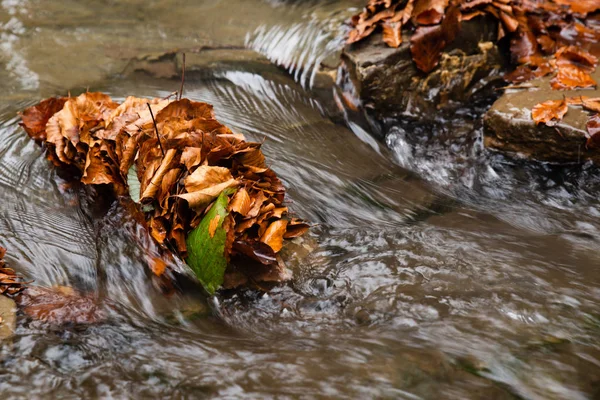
{"x":435,"y":269}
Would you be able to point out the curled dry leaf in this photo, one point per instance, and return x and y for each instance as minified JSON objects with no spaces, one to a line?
{"x":273,"y":235}
{"x":10,"y":282}
{"x":241,"y":202}
{"x":392,"y":33}
{"x":34,"y":119}
{"x":549,"y":112}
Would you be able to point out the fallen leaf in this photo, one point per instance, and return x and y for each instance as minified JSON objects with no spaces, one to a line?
{"x":429,"y":12}
{"x":549,"y":112}
{"x":575,"y":55}
{"x":591,"y":104}
{"x":241,"y":202}
{"x":593,"y":129}
{"x":206,"y":252}
{"x":570,"y":77}
{"x":10,"y":282}
{"x":296,"y":228}
{"x":426,"y":45}
{"x":60,"y":305}
{"x":35,"y":118}
{"x":273,"y":235}
{"x":392,"y":33}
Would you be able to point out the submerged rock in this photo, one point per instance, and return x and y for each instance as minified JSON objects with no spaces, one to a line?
{"x":8,"y":317}
{"x":388,"y":82}
{"x":509,"y":126}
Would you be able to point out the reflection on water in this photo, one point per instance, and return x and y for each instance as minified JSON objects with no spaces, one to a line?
{"x":477,"y":279}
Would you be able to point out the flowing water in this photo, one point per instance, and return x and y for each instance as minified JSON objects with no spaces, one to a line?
{"x":435,"y":269}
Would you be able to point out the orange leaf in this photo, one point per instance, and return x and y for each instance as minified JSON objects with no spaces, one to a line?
{"x":392,"y":33}
{"x":273,"y":235}
{"x":570,"y":77}
{"x":549,"y":112}
{"x":241,"y":202}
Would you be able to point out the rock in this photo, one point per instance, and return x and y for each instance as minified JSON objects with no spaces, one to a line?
{"x":508,"y":125}
{"x":388,"y":82}
{"x":198,"y":61}
{"x":8,"y":317}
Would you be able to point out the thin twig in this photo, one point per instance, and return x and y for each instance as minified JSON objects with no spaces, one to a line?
{"x":156,"y":129}
{"x":182,"y":77}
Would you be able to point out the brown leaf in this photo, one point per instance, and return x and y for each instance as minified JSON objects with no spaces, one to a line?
{"x":576,"y":56}
{"x":35,"y":118}
{"x":392,"y":33}
{"x":426,"y":45}
{"x":592,"y":104}
{"x":582,"y":7}
{"x":296,"y":228}
{"x":60,"y":305}
{"x":273,"y":235}
{"x":256,"y":250}
{"x":241,"y":202}
{"x":10,"y":282}
{"x":429,"y":12}
{"x":523,"y":46}
{"x":509,"y":22}
{"x":191,"y":157}
{"x":152,"y":187}
{"x":549,"y":112}
{"x":593,"y":129}
{"x":571,"y":77}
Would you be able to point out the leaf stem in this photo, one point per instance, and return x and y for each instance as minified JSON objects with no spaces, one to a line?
{"x":156,"y":130}
{"x":182,"y":77}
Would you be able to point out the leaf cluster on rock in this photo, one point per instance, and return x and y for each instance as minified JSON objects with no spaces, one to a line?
{"x":175,"y":159}
{"x":537,"y":30}
{"x":551,"y":113}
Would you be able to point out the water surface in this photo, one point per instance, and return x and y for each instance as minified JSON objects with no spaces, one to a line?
{"x":437,"y":270}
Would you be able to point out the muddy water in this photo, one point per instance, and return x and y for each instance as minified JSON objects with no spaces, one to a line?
{"x":440,"y":270}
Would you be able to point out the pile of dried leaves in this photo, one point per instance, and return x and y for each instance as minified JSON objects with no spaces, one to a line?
{"x":536,"y":30}
{"x":559,"y":37}
{"x":10,"y":282}
{"x":206,"y":193}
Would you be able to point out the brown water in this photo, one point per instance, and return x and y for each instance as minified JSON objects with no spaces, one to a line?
{"x":440,"y":270}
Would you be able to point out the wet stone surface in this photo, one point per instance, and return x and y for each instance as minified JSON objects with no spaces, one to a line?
{"x":389,"y":84}
{"x":510,"y":128}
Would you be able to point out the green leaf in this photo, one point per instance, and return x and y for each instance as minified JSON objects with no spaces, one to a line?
{"x":206,"y":254}
{"x":133,"y":183}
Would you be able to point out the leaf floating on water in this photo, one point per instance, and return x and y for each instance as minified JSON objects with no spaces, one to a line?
{"x":60,"y":305}
{"x":206,"y":251}
{"x":549,"y":112}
